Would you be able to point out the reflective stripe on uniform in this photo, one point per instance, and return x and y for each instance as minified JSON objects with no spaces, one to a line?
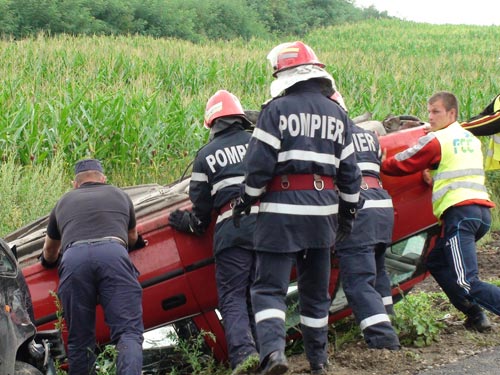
{"x":308,"y":156}
{"x":237,"y":180}
{"x":267,"y":138}
{"x":347,"y":151}
{"x":387,"y":301}
{"x":372,"y":167}
{"x":254,"y":192}
{"x":377,"y":203}
{"x":314,"y":322}
{"x":199,"y":177}
{"x":374,"y":319}
{"x":460,"y":173}
{"x":228,"y":214}
{"x":297,"y":209}
{"x":269,"y":314}
{"x":458,"y":185}
{"x":351,"y":198}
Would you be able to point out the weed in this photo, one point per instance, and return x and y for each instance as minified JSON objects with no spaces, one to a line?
{"x":417,"y":322}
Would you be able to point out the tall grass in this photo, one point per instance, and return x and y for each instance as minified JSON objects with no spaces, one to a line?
{"x":137,"y":103}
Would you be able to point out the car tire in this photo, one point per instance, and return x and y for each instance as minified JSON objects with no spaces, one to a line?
{"x":23,"y":368}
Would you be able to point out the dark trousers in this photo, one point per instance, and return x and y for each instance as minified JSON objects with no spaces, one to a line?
{"x":366,"y":285}
{"x":269,"y":300}
{"x":453,"y":261}
{"x":234,"y":273}
{"x":101,"y":273}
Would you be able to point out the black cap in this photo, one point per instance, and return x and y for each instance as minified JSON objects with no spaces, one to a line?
{"x":88,"y":165}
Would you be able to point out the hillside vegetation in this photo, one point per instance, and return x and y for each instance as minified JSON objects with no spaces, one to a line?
{"x":192,"y":20}
{"x":137,"y":102}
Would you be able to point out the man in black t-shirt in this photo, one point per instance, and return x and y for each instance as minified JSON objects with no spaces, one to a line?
{"x":89,"y":231}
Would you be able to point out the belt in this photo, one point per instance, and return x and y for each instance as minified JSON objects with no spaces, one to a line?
{"x":301,"y":182}
{"x":98,"y":240}
{"x":368,"y":182}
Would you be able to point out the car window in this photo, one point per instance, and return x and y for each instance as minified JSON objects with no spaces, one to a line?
{"x":7,"y":264}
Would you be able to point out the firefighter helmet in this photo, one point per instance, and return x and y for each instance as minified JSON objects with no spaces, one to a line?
{"x":222,"y":104}
{"x":290,"y":55}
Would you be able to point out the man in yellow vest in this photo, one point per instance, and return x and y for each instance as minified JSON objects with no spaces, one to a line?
{"x":461,"y":203}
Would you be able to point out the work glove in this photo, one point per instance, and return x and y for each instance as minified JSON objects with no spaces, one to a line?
{"x":346,"y":219}
{"x":185,"y":221}
{"x":242,"y":206}
{"x":47,"y":264}
{"x":139,"y":244}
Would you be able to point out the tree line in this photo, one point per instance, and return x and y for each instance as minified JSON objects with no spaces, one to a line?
{"x":192,"y":20}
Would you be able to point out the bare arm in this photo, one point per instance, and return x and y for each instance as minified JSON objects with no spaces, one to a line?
{"x":51,"y":249}
{"x":132,"y":237}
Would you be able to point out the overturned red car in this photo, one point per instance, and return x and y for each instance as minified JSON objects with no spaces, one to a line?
{"x":177,"y":270}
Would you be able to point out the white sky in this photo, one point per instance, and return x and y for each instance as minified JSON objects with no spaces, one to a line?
{"x":469,"y":12}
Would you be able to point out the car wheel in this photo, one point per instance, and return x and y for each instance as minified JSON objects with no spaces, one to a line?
{"x":23,"y":368}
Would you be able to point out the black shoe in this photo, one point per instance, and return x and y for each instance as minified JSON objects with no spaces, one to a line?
{"x":478,"y":322}
{"x":321,"y":369}
{"x":274,"y":364}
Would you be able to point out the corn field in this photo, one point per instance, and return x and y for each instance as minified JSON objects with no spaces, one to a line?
{"x":137,"y":103}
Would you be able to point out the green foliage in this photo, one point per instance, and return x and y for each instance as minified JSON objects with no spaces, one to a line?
{"x":106,"y":361}
{"x":194,"y":353}
{"x":417,"y":320}
{"x":185,"y":19}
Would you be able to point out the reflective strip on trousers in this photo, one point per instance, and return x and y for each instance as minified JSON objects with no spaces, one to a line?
{"x":314,"y":322}
{"x":387,"y":301}
{"x":374,"y":319}
{"x":269,"y":314}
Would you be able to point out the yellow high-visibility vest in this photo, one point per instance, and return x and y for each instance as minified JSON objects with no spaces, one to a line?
{"x":460,"y":174}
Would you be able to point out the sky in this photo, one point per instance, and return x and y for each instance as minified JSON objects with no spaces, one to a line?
{"x":468,"y":12}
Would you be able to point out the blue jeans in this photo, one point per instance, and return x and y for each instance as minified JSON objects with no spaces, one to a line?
{"x":453,"y":261}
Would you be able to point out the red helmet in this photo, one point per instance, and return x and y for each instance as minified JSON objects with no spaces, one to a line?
{"x":292,"y":55}
{"x":222,"y":104}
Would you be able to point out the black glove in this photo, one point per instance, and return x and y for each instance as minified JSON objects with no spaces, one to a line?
{"x":49,"y":265}
{"x":242,"y":205}
{"x":346,"y":222}
{"x":139,"y":244}
{"x":185,"y":221}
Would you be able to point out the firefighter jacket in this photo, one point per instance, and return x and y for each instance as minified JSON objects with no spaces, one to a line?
{"x":301,"y":133}
{"x":454,"y":156}
{"x":216,"y":179}
{"x":375,"y":218}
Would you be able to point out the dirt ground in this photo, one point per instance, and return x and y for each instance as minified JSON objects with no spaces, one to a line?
{"x":455,"y":342}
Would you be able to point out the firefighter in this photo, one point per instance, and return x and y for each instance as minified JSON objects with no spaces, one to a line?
{"x":215,"y":182}
{"x":460,"y":202}
{"x":362,"y":254}
{"x":93,"y":225}
{"x":301,"y":151}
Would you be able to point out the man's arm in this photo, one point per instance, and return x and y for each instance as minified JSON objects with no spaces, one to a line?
{"x":51,"y":249}
{"x":132,"y":237}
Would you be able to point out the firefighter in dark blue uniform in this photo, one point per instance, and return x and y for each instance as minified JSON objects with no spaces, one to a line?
{"x":300,"y":153}
{"x":362,"y":254}
{"x":89,"y":231}
{"x":215,"y":182}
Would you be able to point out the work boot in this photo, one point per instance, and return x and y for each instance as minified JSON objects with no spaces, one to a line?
{"x":321,"y":369}
{"x":274,"y":364}
{"x":478,"y":322}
